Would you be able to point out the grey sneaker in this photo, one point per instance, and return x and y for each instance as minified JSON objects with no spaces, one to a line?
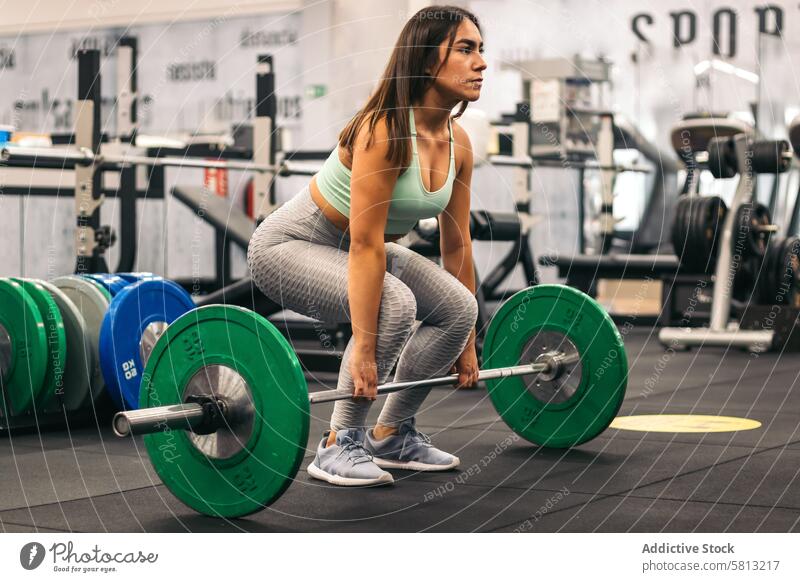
{"x":347,"y":462}
{"x":409,"y":449}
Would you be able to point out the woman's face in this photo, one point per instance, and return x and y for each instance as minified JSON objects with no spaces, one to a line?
{"x":461,"y":77}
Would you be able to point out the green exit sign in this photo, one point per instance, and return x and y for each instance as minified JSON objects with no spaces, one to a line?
{"x":316,"y":91}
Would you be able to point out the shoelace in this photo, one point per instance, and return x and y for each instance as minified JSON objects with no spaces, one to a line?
{"x":419,"y":438}
{"x":355,"y":451}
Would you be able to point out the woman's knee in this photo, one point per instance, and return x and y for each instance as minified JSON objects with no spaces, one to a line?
{"x":462,"y":312}
{"x":398,"y":309}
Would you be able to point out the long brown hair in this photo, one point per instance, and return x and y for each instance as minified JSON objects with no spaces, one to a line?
{"x":405,"y":81}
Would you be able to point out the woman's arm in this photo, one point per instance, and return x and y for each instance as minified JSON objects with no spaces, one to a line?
{"x":372,"y":182}
{"x":456,"y":247}
{"x":456,"y":243}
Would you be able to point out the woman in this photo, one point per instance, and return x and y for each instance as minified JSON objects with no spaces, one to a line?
{"x":330,"y":253}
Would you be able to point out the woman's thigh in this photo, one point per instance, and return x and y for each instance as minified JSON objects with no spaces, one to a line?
{"x":440,"y":296}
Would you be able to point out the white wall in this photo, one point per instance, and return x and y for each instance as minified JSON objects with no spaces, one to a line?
{"x":51,"y":15}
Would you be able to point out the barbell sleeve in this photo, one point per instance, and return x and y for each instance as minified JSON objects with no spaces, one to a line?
{"x":766,"y":228}
{"x":150,"y":420}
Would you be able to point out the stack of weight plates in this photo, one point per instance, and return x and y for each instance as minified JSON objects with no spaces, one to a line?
{"x":136,"y":318}
{"x":50,"y":338}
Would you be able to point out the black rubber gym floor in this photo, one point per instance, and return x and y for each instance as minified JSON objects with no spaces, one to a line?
{"x":746,"y":481}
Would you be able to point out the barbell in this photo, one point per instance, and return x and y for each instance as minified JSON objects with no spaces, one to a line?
{"x":32,"y":156}
{"x":224,"y":405}
{"x":765,"y":156}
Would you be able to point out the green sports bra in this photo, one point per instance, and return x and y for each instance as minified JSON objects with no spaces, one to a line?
{"x":410,"y":200}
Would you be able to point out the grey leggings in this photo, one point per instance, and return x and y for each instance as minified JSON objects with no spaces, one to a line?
{"x":298,"y":258}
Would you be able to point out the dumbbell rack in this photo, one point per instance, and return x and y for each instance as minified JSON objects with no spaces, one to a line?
{"x":721,"y":331}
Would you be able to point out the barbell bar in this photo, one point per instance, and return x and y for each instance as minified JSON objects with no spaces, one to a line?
{"x":764,"y":156}
{"x":190,"y":415}
{"x":703,"y":157}
{"x":30,"y":156}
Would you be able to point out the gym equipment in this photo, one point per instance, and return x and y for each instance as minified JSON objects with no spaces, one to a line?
{"x":231,"y":381}
{"x":696,"y":230}
{"x":121,"y":155}
{"x":111,"y":283}
{"x":483,"y":225}
{"x":99,"y":286}
{"x":79,"y":364}
{"x":136,"y":277}
{"x":766,"y":157}
{"x":25,"y":156}
{"x":746,"y":157}
{"x":543,"y":409}
{"x":53,"y":381}
{"x":753,"y":229}
{"x":23,"y":348}
{"x":690,"y":140}
{"x":92,"y":302}
{"x":779,"y":283}
{"x":135,"y":319}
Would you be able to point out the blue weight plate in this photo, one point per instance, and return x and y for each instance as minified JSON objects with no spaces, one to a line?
{"x":111,"y":283}
{"x":137,"y":316}
{"x":138,"y":276}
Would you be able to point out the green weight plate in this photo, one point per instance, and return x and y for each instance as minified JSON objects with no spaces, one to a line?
{"x":572,"y":408}
{"x":238,"y":355}
{"x":92,"y":301}
{"x":23,"y":347}
{"x":56,"y":342}
{"x":77,"y":371}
